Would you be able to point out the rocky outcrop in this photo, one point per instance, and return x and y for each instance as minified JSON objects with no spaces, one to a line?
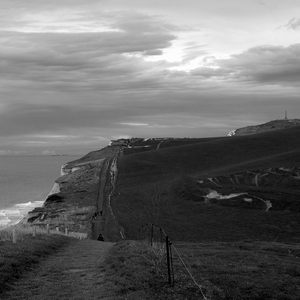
{"x":72,"y":201}
{"x":269,"y":126}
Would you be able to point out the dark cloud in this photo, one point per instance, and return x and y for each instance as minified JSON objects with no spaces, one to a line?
{"x":294,"y":24}
{"x":275,"y":65}
{"x":153,"y":52}
{"x":69,"y":76}
{"x":109,"y":60}
{"x":32,"y":119}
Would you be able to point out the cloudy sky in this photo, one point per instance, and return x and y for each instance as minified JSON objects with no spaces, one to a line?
{"x":75,"y":74}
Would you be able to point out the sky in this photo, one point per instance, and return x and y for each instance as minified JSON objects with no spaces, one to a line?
{"x":75,"y":74}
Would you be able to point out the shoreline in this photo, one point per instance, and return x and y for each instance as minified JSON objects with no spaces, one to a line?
{"x":13,"y":214}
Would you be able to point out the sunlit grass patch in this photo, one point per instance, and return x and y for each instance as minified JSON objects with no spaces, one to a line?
{"x":22,"y":231}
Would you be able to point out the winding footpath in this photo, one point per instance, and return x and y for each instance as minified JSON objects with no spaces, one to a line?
{"x":107,"y":182}
{"x":73,"y":273}
{"x":98,"y":223}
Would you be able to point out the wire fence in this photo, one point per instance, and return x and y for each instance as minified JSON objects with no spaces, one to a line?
{"x":157,"y":237}
{"x":17,"y":233}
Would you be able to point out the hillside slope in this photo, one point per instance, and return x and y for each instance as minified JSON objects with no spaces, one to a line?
{"x":269,"y":126}
{"x":214,"y":157}
{"x":163,"y":187}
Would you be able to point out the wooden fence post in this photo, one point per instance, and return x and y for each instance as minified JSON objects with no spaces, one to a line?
{"x":57,"y":229}
{"x":33,"y":230}
{"x":14,"y":234}
{"x":171,"y":259}
{"x":66,"y":231}
{"x":168,"y":259}
{"x":48,"y":229}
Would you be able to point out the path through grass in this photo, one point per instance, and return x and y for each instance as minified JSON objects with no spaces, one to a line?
{"x":73,"y":273}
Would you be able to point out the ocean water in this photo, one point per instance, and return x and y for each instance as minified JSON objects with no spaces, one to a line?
{"x":25,"y":182}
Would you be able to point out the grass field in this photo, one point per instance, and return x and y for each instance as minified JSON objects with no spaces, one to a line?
{"x":231,"y":251}
{"x":212,"y":157}
{"x":148,"y":182}
{"x":241,"y":270}
{"x":28,"y":252}
{"x":235,"y":270}
{"x":236,"y":253}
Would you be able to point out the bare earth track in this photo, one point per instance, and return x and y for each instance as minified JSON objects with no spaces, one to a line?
{"x":74,"y":273}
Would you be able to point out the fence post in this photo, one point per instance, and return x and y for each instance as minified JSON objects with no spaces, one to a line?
{"x":151,"y":241}
{"x":66,"y":231}
{"x":57,"y":229}
{"x":168,"y":259}
{"x":48,"y":227}
{"x":14,"y":235}
{"x":172,"y":266}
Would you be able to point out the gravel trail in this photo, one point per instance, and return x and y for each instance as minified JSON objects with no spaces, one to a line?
{"x":74,"y":273}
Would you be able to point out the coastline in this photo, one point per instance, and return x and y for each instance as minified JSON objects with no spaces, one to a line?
{"x":25,"y":180}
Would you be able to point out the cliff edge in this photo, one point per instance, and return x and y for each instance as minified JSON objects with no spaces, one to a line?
{"x":72,"y":202}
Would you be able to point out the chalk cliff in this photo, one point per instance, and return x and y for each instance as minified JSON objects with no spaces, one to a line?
{"x":73,"y":200}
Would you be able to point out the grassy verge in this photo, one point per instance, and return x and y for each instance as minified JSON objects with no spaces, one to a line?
{"x":132,"y":270}
{"x":16,"y":259}
{"x":241,"y":270}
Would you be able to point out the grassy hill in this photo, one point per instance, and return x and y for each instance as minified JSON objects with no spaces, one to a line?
{"x":234,"y":249}
{"x":269,"y":126}
{"x":148,"y":184}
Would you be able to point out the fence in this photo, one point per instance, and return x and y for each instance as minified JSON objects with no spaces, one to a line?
{"x":16,"y":233}
{"x":158,"y":238}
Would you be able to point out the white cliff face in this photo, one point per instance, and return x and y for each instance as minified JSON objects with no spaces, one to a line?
{"x":63,"y":170}
{"x":55,"y":189}
{"x":231,"y":133}
{"x":215,"y":195}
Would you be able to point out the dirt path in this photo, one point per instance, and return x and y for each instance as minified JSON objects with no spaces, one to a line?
{"x":98,"y":223}
{"x":74,"y":273}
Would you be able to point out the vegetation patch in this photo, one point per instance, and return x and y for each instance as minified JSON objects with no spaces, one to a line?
{"x":132,"y":270}
{"x":28,"y":252}
{"x":243,"y":270}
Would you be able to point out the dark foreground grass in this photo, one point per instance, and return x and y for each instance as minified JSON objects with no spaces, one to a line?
{"x":237,"y":270}
{"x":242,"y":270}
{"x":17,"y":259}
{"x":132,"y":270}
{"x":197,"y":221}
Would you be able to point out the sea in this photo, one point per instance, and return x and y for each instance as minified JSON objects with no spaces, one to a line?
{"x":25,"y":183}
